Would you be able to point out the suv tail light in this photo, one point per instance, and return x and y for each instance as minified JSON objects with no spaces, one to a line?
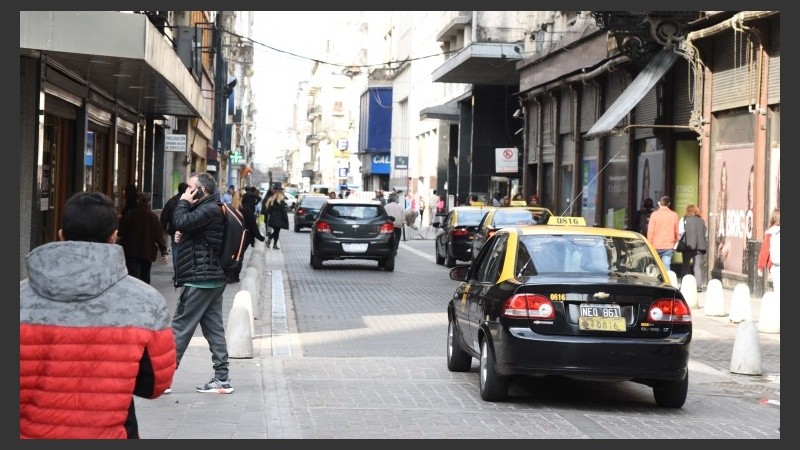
{"x":491,"y":232}
{"x":529,"y":306}
{"x":459,"y":232}
{"x":669,"y":310}
{"x":387,"y":228}
{"x":323,"y":227}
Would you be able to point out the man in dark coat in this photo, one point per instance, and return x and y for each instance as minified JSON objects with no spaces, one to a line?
{"x":199,"y":226}
{"x":166,"y":217}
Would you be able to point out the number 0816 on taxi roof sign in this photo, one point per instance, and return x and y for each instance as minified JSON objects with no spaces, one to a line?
{"x":564,"y":220}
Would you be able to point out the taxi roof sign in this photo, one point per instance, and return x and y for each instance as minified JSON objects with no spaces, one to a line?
{"x":565,"y":220}
{"x":518,"y":203}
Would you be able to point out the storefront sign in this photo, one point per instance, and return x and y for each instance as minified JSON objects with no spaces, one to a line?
{"x":401,"y":162}
{"x":175,"y":143}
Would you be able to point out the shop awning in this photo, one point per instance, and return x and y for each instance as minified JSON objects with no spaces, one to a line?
{"x":446,"y":111}
{"x":633,"y":94}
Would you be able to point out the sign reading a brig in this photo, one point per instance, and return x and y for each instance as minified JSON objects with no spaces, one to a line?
{"x":175,"y":143}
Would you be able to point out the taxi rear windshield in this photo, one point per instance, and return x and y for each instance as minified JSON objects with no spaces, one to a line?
{"x":584,"y":254}
{"x":469,"y":217}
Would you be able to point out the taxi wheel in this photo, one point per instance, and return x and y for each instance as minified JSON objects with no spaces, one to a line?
{"x":493,"y":387}
{"x":671,"y":394}
{"x":457,"y":360}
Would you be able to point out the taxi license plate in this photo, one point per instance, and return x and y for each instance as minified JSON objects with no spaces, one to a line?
{"x":601,"y":317}
{"x":355,"y":248}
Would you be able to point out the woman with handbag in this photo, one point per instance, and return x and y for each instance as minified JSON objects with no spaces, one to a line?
{"x":695,"y":242}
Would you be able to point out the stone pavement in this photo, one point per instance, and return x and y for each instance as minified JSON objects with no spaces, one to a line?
{"x":259,"y":407}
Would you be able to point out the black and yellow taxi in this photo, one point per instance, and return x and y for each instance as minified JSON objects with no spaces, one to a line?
{"x":518,"y":213}
{"x":454,"y":235}
{"x":564,"y":299}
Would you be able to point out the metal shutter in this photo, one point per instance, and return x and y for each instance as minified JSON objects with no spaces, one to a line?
{"x":645,"y":114}
{"x":732,"y":85}
{"x":533,"y":132}
{"x":588,"y":105}
{"x":565,"y":112}
{"x":614,"y":88}
{"x":683,"y":84}
{"x":774,"y":89}
{"x":548,"y":147}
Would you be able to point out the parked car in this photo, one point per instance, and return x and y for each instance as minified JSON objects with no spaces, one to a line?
{"x":502,"y":217}
{"x":353,"y":229}
{"x":306,"y":210}
{"x":453,"y":241}
{"x":573,"y":301}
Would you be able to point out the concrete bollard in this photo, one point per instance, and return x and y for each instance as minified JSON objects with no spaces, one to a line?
{"x":250,"y":284}
{"x":245,"y":300}
{"x":715,"y":300}
{"x":746,"y":355}
{"x":673,"y":278}
{"x":740,"y":304}
{"x":769,"y":317}
{"x":689,"y":290}
{"x":238,"y":333}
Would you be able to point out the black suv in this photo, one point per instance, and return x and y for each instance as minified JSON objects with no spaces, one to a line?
{"x":306,"y":210}
{"x":353,"y":229}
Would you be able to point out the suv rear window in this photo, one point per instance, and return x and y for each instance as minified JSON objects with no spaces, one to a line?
{"x":355,"y":211}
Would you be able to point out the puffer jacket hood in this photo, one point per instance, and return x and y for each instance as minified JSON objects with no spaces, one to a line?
{"x":73,"y":271}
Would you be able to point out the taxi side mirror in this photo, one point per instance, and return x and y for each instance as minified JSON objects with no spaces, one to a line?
{"x":459,"y":273}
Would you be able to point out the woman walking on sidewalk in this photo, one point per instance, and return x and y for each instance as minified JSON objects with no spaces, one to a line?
{"x":770,"y":255}
{"x":277,"y":217}
{"x":696,"y":245}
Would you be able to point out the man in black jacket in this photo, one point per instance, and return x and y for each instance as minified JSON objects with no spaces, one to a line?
{"x":199,"y":226}
{"x":166,"y":217}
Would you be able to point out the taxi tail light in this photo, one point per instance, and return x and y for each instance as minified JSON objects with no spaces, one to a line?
{"x":529,"y":306}
{"x":387,"y":228}
{"x":323,"y":227}
{"x":669,"y":310}
{"x":459,"y":232}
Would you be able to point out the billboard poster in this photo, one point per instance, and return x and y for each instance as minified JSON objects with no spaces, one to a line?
{"x":650,"y":172}
{"x":687,"y":166}
{"x":732,"y":221}
{"x":774,"y":196}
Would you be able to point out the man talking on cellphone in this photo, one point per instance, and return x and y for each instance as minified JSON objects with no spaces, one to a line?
{"x":199,"y":226}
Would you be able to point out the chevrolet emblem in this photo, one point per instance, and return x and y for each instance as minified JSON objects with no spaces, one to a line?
{"x":602,"y":295}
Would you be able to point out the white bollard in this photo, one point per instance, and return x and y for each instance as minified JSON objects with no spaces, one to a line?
{"x":244,"y":300}
{"x":238,"y":334}
{"x":689,"y":290}
{"x":746,"y":355}
{"x":769,"y":317}
{"x":673,"y":278}
{"x":740,"y":304}
{"x":715,"y":300}
{"x":250,"y":284}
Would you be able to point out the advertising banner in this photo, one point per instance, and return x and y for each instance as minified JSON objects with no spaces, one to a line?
{"x":732,"y":220}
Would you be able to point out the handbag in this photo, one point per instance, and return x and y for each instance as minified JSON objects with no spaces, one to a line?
{"x":680,"y":244}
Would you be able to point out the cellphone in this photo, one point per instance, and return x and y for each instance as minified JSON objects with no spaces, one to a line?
{"x":198,"y":193}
